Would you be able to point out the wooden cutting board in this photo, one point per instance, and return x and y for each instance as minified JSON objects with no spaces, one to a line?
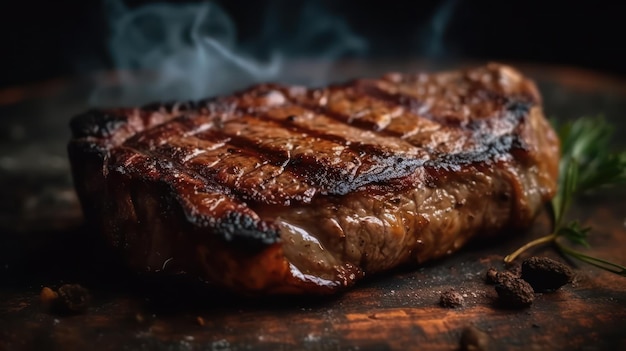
{"x":43,"y":243}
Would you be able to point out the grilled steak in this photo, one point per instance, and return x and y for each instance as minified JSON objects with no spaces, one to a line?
{"x":285,"y":189}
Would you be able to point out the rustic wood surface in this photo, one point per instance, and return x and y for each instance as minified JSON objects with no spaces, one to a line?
{"x":43,"y":242}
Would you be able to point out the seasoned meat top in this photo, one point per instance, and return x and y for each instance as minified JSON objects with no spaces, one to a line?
{"x":277,"y":144}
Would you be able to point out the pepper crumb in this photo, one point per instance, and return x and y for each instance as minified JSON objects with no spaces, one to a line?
{"x":47,"y":297}
{"x":492,"y":276}
{"x":474,"y":339}
{"x":501,"y":276}
{"x":68,"y":299}
{"x":451,"y":299}
{"x":545,"y":274}
{"x":73,"y":298}
{"x":514,"y":292}
{"x":200,"y":321}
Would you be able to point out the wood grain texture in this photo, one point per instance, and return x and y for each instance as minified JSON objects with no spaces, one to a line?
{"x":43,"y":243}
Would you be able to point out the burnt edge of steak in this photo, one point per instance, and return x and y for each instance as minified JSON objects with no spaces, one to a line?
{"x":96,"y":123}
{"x":237,"y":227}
{"x":227,"y":179}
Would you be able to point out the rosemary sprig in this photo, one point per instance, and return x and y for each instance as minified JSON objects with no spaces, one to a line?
{"x":586,"y":164}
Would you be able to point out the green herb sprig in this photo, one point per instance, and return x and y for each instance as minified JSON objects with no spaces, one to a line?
{"x":586,"y":165}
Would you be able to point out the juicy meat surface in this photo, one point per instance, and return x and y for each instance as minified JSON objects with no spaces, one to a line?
{"x":286,"y":189}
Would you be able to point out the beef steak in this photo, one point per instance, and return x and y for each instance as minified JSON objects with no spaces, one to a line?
{"x":287,"y":189}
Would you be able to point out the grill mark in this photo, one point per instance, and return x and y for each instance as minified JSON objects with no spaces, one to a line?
{"x":165,"y":132}
{"x":184,"y":129}
{"x":358,"y":147}
{"x":250,"y":147}
{"x":323,"y":174}
{"x":378,"y":165}
{"x":342,"y":118}
{"x":261,"y":114}
{"x":414,"y":105}
{"x":409,"y":103}
{"x":487,"y":148}
{"x":237,"y":147}
{"x":345,"y":119}
{"x":168,"y":172}
{"x":209,"y":185}
{"x":269,"y":157}
{"x":302,"y":165}
{"x":289,"y":96}
{"x":387,"y":98}
{"x":211,"y":208}
{"x":309,"y":168}
{"x":311,"y":133}
{"x":157,"y":153}
{"x":231,"y":171}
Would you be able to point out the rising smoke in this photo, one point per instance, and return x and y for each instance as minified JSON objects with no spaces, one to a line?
{"x":431,"y":38}
{"x":166,"y":51}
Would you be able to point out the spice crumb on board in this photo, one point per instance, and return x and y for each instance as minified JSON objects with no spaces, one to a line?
{"x":73,"y":298}
{"x":493,"y":276}
{"x":545,"y":274}
{"x":451,"y":299}
{"x":47,"y":296}
{"x":200,"y":321}
{"x":516,"y":286}
{"x":68,"y":299}
{"x":501,"y":276}
{"x":514,"y":292}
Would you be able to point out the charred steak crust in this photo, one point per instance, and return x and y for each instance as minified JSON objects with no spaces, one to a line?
{"x":285,"y":189}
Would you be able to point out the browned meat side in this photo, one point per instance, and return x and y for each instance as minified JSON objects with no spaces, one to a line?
{"x":284,"y":189}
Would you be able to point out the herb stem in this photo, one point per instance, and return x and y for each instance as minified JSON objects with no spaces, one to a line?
{"x":544,"y":239}
{"x":586,"y":164}
{"x":597,"y":262}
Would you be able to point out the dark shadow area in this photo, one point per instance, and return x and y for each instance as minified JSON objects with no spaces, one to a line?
{"x":79,"y":255}
{"x":43,"y":39}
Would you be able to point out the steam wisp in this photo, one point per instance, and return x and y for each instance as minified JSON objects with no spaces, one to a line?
{"x":165,"y":51}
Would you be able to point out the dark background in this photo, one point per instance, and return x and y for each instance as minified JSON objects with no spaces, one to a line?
{"x":45,"y":39}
